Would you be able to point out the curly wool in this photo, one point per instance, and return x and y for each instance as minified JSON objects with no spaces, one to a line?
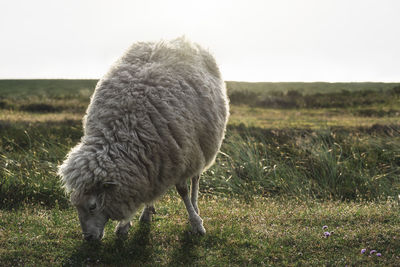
{"x":156,"y":118}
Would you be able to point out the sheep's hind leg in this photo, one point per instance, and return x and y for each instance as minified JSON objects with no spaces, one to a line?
{"x":194,"y":190}
{"x":147,"y":213}
{"x":194,"y":219}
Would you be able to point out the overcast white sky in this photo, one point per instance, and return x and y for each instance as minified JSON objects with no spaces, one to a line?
{"x":252,"y":40}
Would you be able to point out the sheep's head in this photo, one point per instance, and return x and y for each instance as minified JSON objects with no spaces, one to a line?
{"x":90,"y":205}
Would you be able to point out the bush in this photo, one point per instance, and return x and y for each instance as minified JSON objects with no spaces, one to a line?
{"x":396,"y":90}
{"x":40,"y":108}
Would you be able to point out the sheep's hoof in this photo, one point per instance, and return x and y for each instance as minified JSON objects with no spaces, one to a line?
{"x":198,"y":230}
{"x":197,"y":226}
{"x":122,"y":229}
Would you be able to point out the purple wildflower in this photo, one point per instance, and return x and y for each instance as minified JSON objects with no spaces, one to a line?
{"x":324,"y":227}
{"x":378,"y":254}
{"x":363,"y":251}
{"x":327,"y":234}
{"x":372,"y":251}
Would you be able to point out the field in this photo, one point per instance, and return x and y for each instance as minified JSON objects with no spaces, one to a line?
{"x":297,"y":157}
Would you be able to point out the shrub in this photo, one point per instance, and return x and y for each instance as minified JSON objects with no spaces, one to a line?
{"x":40,"y":108}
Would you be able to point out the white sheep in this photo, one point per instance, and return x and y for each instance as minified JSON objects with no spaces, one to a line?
{"x":157,"y":118}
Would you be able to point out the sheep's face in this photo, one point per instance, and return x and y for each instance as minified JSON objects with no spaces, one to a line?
{"x":92,"y":217}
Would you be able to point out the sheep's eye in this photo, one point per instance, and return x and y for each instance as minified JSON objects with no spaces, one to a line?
{"x":92,"y":207}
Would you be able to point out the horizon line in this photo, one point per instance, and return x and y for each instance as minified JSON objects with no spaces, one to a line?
{"x":237,"y":81}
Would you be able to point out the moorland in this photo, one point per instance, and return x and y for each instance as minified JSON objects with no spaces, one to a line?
{"x":296,"y":157}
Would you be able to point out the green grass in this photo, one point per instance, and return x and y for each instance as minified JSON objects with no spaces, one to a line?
{"x":297,"y":156}
{"x":316,"y":119}
{"x":388,"y":98}
{"x":266,"y":232}
{"x":29,"y":155}
{"x":337,"y":164}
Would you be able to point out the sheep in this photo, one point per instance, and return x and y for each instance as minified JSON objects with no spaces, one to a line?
{"x":155,"y":120}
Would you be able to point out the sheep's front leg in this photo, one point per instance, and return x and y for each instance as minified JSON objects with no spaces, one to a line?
{"x":194,"y":219}
{"x":147,"y":213}
{"x":122,"y":228}
{"x":195,"y":192}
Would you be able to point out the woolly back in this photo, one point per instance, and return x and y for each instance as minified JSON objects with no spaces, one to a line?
{"x":157,"y":117}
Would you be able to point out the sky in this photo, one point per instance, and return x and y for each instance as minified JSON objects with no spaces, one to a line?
{"x":252,"y":40}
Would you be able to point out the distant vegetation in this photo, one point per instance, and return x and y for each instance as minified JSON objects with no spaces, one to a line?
{"x":313,"y":95}
{"x":53,"y":89}
{"x":308,"y":88}
{"x":73,"y":95}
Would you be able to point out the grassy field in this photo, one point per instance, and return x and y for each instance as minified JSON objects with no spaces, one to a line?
{"x":265,"y":232}
{"x":297,"y":156}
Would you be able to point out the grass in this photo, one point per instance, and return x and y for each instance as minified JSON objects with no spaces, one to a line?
{"x":338,"y":164}
{"x":267,"y":232}
{"x":293,"y":160}
{"x":271,"y":88}
{"x":323,"y":118}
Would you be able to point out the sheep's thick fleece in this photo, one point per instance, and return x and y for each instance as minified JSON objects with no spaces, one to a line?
{"x":155,"y":119}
